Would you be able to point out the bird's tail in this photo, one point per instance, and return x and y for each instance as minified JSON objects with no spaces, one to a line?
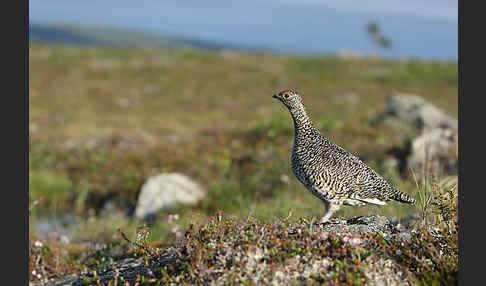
{"x":402,"y":197}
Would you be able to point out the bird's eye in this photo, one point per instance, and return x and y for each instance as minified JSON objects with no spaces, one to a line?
{"x":286,"y":95}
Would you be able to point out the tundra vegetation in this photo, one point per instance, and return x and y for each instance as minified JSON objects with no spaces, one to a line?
{"x":101,"y":121}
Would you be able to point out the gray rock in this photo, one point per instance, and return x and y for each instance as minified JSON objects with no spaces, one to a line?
{"x":437,"y":148}
{"x":128,"y":268}
{"x":165,"y":190}
{"x":367,"y":225}
{"x":361,"y":225}
{"x":385,"y":272}
{"x":437,"y":139}
{"x":415,"y":110}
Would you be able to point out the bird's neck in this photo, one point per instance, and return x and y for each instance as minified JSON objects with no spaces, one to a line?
{"x":302,"y":122}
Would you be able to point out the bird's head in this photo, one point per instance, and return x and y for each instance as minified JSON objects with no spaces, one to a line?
{"x":289,"y":98}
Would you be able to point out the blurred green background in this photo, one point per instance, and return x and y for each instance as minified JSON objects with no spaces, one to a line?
{"x":103,"y":120}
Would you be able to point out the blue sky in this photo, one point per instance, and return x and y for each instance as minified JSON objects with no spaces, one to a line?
{"x":418,"y":29}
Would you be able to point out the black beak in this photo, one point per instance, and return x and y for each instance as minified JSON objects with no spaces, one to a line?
{"x":274,"y":96}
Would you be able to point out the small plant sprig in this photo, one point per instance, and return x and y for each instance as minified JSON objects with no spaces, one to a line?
{"x":445,"y":202}
{"x":141,"y":245}
{"x":425,"y":196}
{"x":438,"y":197}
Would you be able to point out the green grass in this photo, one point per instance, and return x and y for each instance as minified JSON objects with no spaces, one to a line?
{"x":56,"y":188}
{"x":208,"y":116}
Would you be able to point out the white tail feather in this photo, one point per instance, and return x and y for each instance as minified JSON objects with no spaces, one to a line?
{"x":374,"y":201}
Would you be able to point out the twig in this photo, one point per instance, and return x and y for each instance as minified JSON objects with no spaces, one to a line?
{"x":290,"y":214}
{"x":136,"y":244}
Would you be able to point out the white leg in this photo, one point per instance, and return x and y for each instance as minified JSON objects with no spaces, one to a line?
{"x":330,"y":210}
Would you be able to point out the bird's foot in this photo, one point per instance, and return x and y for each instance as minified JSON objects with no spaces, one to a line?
{"x":330,"y":211}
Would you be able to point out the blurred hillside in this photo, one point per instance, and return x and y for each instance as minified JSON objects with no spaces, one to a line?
{"x":98,"y":36}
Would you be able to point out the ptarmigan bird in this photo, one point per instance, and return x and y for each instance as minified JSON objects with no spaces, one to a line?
{"x":329,"y":172}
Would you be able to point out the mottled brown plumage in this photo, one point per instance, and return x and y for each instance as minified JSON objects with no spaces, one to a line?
{"x":329,"y":172}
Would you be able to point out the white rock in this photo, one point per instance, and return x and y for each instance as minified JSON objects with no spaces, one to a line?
{"x":163,"y":191}
{"x":437,"y":147}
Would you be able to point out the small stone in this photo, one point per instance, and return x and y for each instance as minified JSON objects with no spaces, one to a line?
{"x":163,"y":191}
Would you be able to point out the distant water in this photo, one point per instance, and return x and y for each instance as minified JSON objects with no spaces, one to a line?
{"x":418,"y":29}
